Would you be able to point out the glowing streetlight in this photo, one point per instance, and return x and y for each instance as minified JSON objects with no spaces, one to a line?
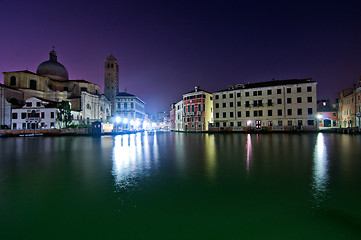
{"x":117,"y":119}
{"x":125,"y":120}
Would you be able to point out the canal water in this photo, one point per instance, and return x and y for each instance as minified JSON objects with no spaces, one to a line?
{"x":181,"y":186}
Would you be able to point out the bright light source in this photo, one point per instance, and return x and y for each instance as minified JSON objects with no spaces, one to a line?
{"x":137,"y":123}
{"x":117,"y":119}
{"x":132,"y":122}
{"x":319,"y":116}
{"x":125,"y":121}
{"x":249,"y":122}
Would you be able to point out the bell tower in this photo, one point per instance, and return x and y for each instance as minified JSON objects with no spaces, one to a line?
{"x":111,"y":80}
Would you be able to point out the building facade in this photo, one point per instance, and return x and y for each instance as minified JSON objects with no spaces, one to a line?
{"x":273,"y":105}
{"x":179,"y":116}
{"x":35,"y":114}
{"x":347,"y":108}
{"x":51,"y":83}
{"x":326,"y":115}
{"x":8,"y":96}
{"x":197,"y":110}
{"x":129,"y":108}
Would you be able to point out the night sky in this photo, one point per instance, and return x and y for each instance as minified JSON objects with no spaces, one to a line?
{"x":166,"y":48}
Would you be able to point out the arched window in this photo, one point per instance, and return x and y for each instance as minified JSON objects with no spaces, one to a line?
{"x":12,"y":81}
{"x":33,"y":84}
{"x":108,"y":65}
{"x":88,"y":106}
{"x":112,"y":65}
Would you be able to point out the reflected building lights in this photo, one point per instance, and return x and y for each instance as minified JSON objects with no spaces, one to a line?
{"x":210,"y":155}
{"x":132,"y":159}
{"x":248,"y":151}
{"x":320,"y":172}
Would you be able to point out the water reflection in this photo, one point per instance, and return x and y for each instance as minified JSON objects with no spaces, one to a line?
{"x":320,"y":172}
{"x":210,"y":152}
{"x":248,"y":150}
{"x":133,"y":159}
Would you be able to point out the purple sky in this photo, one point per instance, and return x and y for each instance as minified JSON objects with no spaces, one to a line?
{"x":166,"y":48}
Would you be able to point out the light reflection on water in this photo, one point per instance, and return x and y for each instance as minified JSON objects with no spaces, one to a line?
{"x":248,"y":150}
{"x":133,"y":158}
{"x":320,"y":171}
{"x":210,"y":153}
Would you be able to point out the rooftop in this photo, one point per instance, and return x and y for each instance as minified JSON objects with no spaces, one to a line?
{"x":272,"y":83}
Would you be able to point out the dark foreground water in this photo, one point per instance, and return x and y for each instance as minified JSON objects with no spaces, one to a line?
{"x":181,"y":186}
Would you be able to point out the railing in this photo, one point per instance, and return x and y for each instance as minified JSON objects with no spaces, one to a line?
{"x":32,"y":119}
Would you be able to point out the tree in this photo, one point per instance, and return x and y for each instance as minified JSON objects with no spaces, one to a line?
{"x":64,"y":114}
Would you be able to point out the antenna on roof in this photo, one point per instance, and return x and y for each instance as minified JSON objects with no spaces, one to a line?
{"x":53,"y":47}
{"x":125,"y":90}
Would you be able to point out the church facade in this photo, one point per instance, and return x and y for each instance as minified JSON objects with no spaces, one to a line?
{"x":51,"y":83}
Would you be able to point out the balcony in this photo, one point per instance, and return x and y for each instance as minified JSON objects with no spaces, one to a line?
{"x":32,"y":119}
{"x":190,"y":113}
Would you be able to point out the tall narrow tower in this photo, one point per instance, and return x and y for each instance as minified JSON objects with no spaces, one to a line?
{"x":111,"y":80}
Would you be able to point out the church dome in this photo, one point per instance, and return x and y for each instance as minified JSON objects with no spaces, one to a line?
{"x":52,"y":68}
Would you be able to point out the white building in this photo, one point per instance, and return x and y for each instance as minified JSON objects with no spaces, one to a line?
{"x":278,"y":104}
{"x":35,"y":114}
{"x":130,"y":109}
{"x":179,"y":115}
